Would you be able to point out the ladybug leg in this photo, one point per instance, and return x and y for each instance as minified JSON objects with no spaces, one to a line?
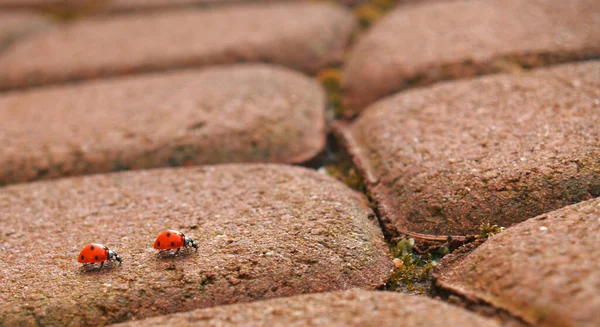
{"x":101,"y":265}
{"x":174,"y":254}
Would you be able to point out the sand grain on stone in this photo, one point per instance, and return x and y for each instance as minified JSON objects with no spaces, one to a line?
{"x":545,"y":270}
{"x":459,"y":39}
{"x":500,"y":149}
{"x":349,"y":308}
{"x":303,"y":36}
{"x":264,"y":231}
{"x":239,"y":113}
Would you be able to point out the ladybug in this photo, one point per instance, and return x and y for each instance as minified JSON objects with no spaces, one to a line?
{"x":95,"y":252}
{"x":172,"y":239}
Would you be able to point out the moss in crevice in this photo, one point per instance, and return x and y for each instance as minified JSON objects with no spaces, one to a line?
{"x":412,"y":271}
{"x":331,"y":79}
{"x":69,"y":14}
{"x":344,"y":171}
{"x":371,"y":11}
{"x":487,"y":230}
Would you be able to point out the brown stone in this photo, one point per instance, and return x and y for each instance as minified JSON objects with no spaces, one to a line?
{"x":263,"y":231}
{"x":240,"y":113}
{"x":545,"y":270}
{"x":349,"y":308}
{"x":110,"y":5}
{"x":40,"y":4}
{"x":460,"y":39}
{"x":16,"y":25}
{"x":499,"y":149}
{"x":117,"y":5}
{"x":131,"y":5}
{"x":303,"y":36}
{"x":134,"y":5}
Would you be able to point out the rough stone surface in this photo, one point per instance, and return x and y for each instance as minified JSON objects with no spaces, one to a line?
{"x":14,"y":26}
{"x":458,"y":39}
{"x":117,"y":5}
{"x":129,"y":5}
{"x":349,"y":308}
{"x":545,"y":270}
{"x":240,"y":113}
{"x":303,"y":36}
{"x":36,"y":4}
{"x":264,"y":231}
{"x":134,"y":5}
{"x":112,"y":5}
{"x":500,"y":149}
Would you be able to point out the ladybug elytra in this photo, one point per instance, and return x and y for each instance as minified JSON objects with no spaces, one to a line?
{"x":93,"y":253}
{"x":172,"y":239}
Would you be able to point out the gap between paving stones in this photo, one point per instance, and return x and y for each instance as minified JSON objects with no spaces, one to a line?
{"x":344,"y":170}
{"x":476,"y":306}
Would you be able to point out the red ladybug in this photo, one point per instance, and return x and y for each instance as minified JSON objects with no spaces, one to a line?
{"x":95,"y":252}
{"x":172,"y":239}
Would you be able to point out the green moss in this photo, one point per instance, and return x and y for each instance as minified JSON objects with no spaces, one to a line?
{"x":345,"y":172}
{"x":411,"y":270}
{"x":371,"y":11}
{"x":331,"y":79}
{"x":487,"y":230}
{"x":68,"y":15}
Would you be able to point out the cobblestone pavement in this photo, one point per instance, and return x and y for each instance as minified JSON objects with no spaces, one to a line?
{"x":326,"y":157}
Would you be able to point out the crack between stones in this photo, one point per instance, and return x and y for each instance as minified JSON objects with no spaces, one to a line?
{"x":476,"y":305}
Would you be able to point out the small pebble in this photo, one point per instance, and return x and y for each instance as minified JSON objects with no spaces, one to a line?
{"x":398,"y":263}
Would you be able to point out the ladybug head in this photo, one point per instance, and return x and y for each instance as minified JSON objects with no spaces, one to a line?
{"x":114,"y":255}
{"x":189,"y":241}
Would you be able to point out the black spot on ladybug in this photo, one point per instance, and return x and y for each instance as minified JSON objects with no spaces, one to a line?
{"x":82,"y":257}
{"x":96,"y":257}
{"x":158,"y":243}
{"x":172,"y":243}
{"x":168,"y":234}
{"x":92,"y":247}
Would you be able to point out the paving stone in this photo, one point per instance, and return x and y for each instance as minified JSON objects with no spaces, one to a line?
{"x":545,"y":270}
{"x":500,"y":149}
{"x":303,"y":36}
{"x":240,"y":113}
{"x":420,"y":45}
{"x":349,"y":308}
{"x":30,"y":4}
{"x":110,"y":5}
{"x":133,"y":5}
{"x":263,"y":231}
{"x":14,"y":26}
{"x":130,"y":5}
{"x":122,"y":6}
